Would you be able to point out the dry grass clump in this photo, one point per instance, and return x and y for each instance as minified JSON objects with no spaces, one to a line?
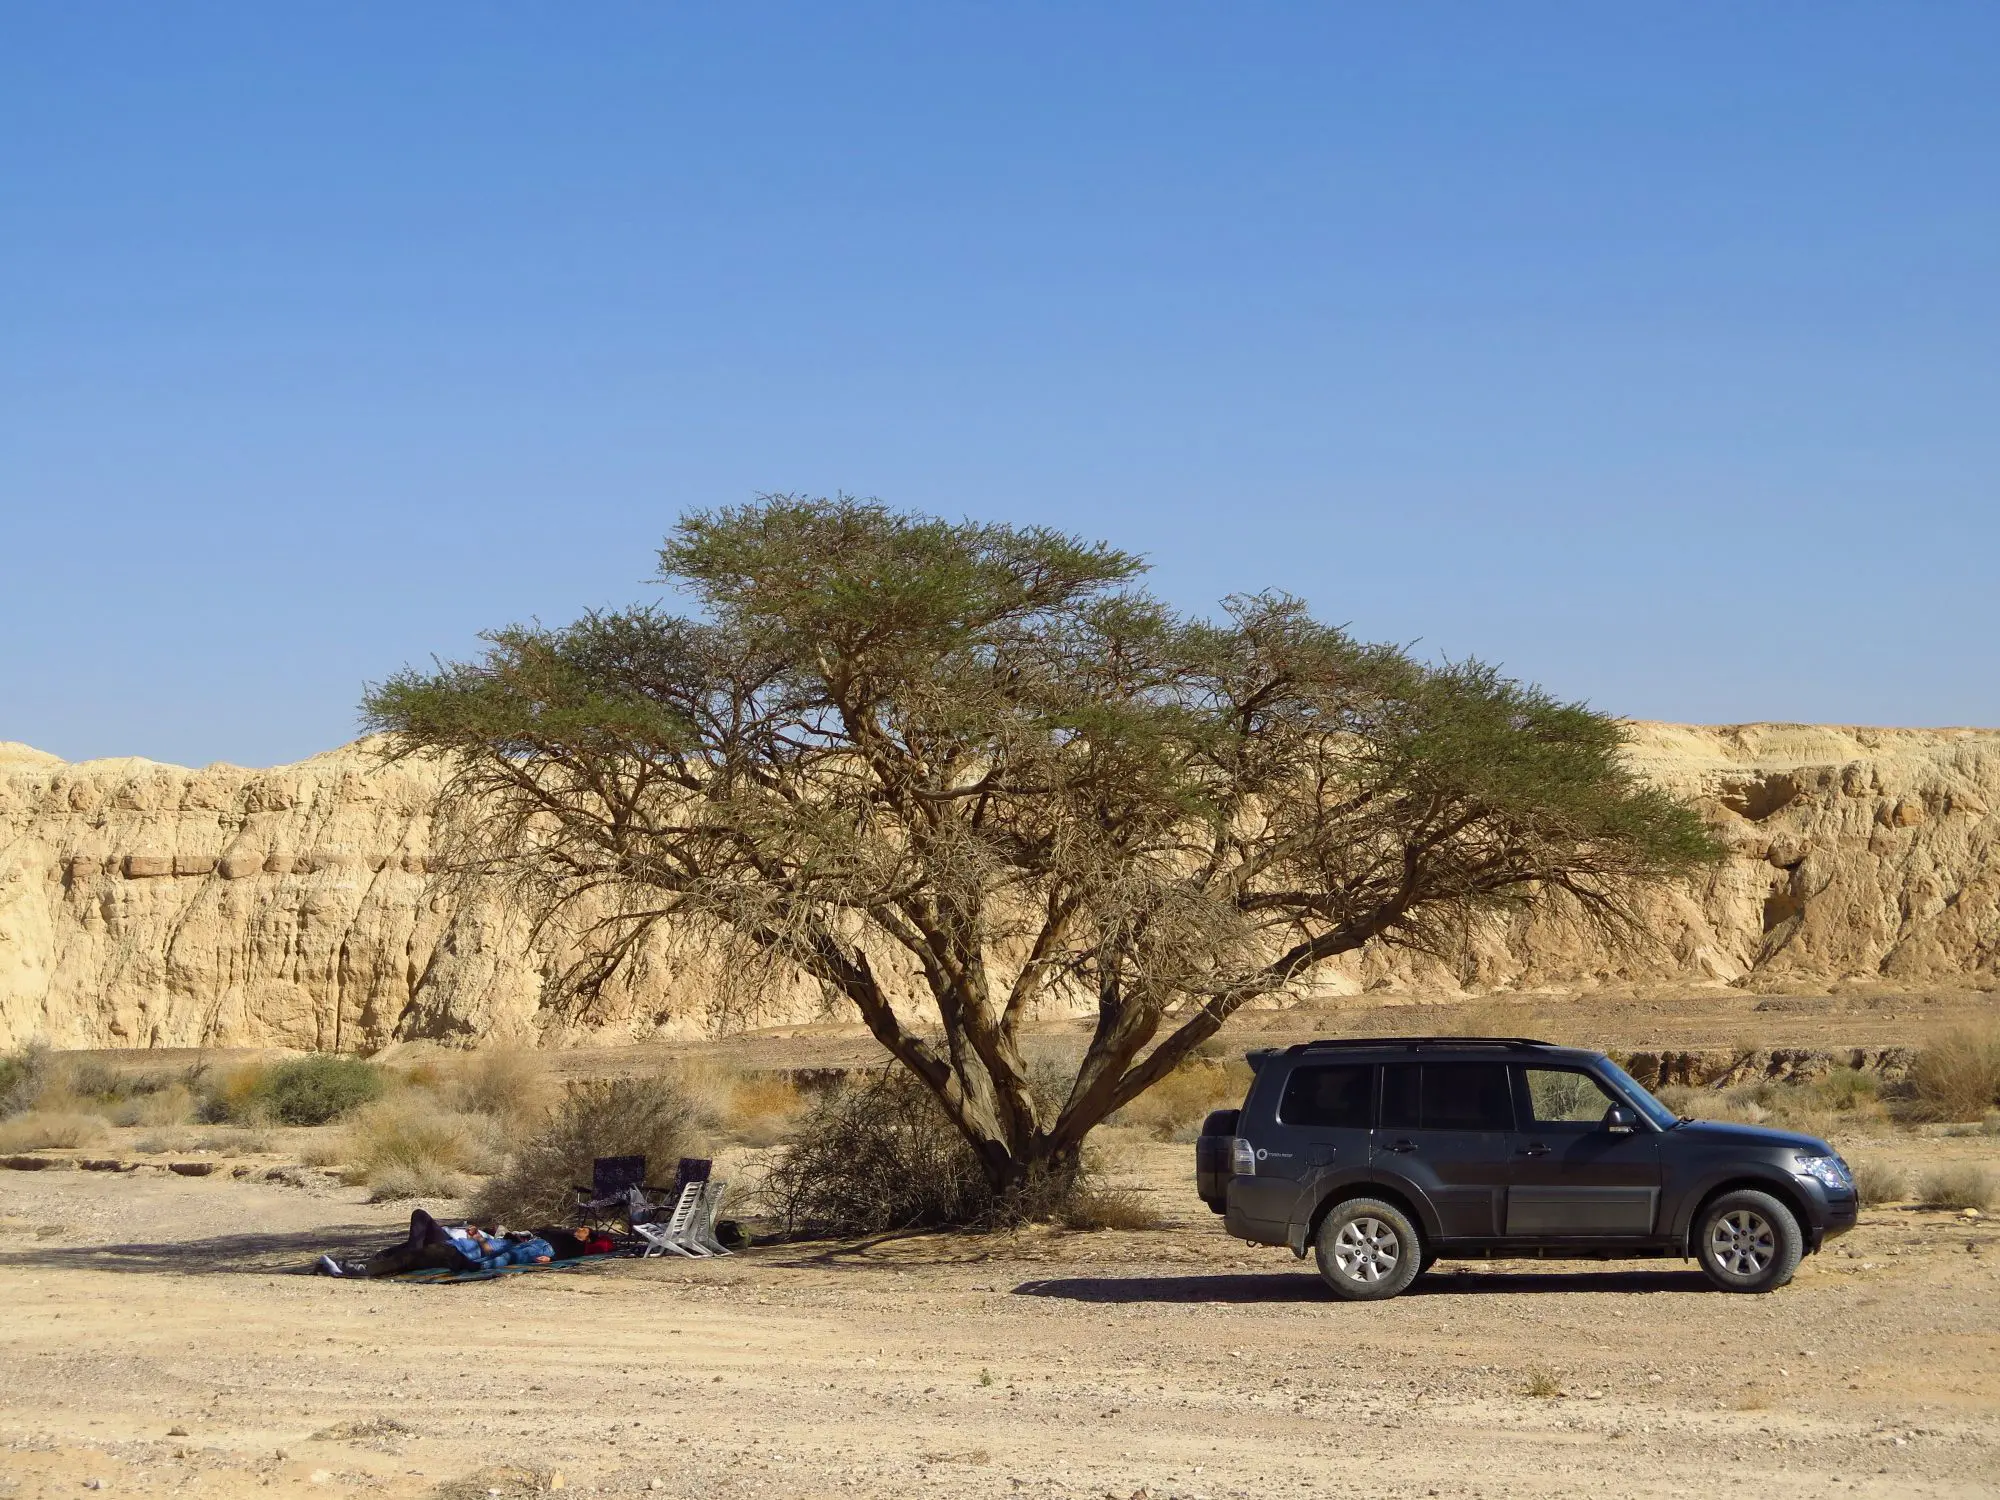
{"x":42,"y":1129}
{"x":1879,"y":1182}
{"x":511,"y":1084}
{"x":1957,"y":1076}
{"x":1094,"y":1206}
{"x":1173,"y":1108}
{"x":748,"y":1108}
{"x":649,"y":1117}
{"x":407,"y":1146}
{"x":1961,"y":1185}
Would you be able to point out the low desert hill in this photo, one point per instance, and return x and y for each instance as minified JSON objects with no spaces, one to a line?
{"x":151,"y":905}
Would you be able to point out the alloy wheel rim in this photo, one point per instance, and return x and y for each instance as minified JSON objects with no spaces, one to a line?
{"x":1742,"y":1243}
{"x":1366,"y":1250}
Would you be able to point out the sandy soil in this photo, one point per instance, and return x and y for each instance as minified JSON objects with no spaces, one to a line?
{"x":156,"y":1338}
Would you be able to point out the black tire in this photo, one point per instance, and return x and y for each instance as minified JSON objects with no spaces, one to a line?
{"x":1368,"y":1250}
{"x":1748,"y":1241}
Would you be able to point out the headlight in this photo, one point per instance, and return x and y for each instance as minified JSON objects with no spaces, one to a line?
{"x":1827,"y":1171}
{"x":1242,"y":1158}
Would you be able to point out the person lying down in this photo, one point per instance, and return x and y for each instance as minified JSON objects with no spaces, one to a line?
{"x":435,"y":1246}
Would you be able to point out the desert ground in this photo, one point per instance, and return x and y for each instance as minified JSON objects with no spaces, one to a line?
{"x":159,"y":1336}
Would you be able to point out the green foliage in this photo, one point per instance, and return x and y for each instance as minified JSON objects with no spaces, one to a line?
{"x":967,"y":743}
{"x":313,"y":1090}
{"x":23,"y":1075}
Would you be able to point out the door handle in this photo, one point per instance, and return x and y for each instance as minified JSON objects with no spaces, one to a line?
{"x":1535,"y":1150}
{"x":1402,"y":1145}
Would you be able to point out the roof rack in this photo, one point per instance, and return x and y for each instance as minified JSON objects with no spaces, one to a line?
{"x":1412,"y":1043}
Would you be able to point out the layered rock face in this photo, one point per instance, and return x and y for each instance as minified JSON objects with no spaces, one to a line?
{"x":150,"y":905}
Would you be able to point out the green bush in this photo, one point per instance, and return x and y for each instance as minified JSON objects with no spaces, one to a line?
{"x":23,"y":1075}
{"x":317,"y":1089}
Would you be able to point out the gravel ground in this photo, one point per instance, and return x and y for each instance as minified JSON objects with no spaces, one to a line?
{"x":157,"y":1338}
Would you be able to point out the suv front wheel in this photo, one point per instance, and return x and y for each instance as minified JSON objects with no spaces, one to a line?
{"x":1368,"y":1250}
{"x":1748,"y":1242}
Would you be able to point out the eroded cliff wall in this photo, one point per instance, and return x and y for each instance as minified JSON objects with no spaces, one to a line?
{"x":152,"y":905}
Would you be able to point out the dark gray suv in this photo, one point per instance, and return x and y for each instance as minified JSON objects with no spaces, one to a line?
{"x":1384,"y":1156}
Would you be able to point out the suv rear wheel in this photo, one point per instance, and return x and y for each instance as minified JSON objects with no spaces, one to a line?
{"x":1748,"y":1242}
{"x":1368,"y":1250}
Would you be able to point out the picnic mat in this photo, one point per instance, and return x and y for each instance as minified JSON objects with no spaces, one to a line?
{"x":578,"y":1263}
{"x":434,"y":1274}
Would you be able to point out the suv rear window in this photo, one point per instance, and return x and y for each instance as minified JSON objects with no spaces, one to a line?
{"x":1446,"y":1096}
{"x":1339,"y":1096}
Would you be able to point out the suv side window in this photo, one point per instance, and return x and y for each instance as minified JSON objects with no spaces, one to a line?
{"x":1446,"y":1096}
{"x":1565,"y":1096}
{"x":1340,"y":1096}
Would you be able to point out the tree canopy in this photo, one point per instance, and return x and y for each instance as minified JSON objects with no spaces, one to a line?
{"x":984,"y":755}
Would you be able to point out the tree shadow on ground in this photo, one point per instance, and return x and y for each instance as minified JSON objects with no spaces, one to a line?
{"x":1304,"y":1286}
{"x":228,"y":1254}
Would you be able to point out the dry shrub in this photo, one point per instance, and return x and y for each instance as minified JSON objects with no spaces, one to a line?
{"x":512,"y":1084}
{"x":172,"y":1105}
{"x":875,"y":1156}
{"x":1879,"y":1181}
{"x":1957,"y":1077}
{"x":239,"y":1142}
{"x":408,"y":1147}
{"x":649,"y":1117}
{"x":1961,"y":1185}
{"x":44,"y":1129}
{"x":879,"y":1155}
{"x":231,"y":1092}
{"x":1542,"y":1383}
{"x":1173,"y":1108}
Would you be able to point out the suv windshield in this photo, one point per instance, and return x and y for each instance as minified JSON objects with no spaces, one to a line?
{"x":1653,"y":1110}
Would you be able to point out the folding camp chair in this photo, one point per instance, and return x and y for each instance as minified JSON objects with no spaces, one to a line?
{"x":617,"y":1182}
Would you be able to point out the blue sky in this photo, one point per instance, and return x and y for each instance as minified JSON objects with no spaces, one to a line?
{"x":1651,"y":351}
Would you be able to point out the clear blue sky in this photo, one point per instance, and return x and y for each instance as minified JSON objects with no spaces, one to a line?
{"x":1652,"y":351}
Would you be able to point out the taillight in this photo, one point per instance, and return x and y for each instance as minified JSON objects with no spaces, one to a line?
{"x":1242,"y":1158}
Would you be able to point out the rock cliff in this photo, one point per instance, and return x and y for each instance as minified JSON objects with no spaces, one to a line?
{"x":152,"y":905}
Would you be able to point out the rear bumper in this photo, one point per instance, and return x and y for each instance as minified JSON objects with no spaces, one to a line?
{"x":1248,"y":1213}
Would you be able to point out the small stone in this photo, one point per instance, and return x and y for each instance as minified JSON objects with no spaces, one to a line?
{"x":656,"y":1484}
{"x":177,"y":1431}
{"x":1593,"y":1395}
{"x":1970,"y":1213}
{"x":320,"y":1476}
{"x":98,"y":1484}
{"x":556,"y":1480}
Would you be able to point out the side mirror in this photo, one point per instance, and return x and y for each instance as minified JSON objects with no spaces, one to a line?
{"x":1620,"y":1121}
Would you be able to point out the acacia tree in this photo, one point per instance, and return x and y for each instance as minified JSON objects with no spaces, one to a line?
{"x":977,"y":764}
